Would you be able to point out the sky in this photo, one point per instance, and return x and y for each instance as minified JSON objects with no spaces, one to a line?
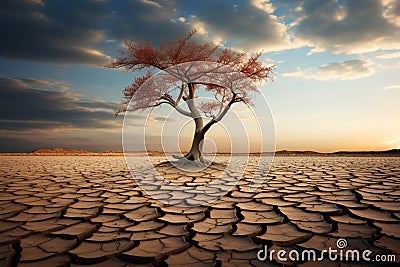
{"x":336,"y":85}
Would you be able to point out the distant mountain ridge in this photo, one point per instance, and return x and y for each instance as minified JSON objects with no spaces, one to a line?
{"x":58,"y":150}
{"x":391,"y":152}
{"x":77,"y":152}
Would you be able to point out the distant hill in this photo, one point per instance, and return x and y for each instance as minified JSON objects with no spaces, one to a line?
{"x":392,"y":152}
{"x":59,"y":151}
{"x":70,"y":152}
{"x":78,"y":152}
{"x":297,"y":153}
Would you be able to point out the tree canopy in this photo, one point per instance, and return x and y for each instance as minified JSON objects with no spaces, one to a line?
{"x":139,"y":56}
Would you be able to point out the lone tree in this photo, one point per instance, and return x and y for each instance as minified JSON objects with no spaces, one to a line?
{"x":142,"y":55}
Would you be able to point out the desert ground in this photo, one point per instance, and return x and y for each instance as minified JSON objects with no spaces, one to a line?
{"x":78,"y":210}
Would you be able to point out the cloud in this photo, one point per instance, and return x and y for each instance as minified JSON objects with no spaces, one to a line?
{"x":392,"y":87}
{"x":248,"y":25}
{"x":347,"y":26}
{"x":389,"y":55}
{"x":24,"y":107}
{"x":335,"y":26}
{"x":86,"y":32}
{"x":35,"y":114}
{"x":60,"y":85}
{"x":245,"y":25}
{"x":53,"y":31}
{"x":345,"y":70}
{"x":392,"y":142}
{"x":148,"y":20}
{"x":392,"y":11}
{"x":91,"y":140}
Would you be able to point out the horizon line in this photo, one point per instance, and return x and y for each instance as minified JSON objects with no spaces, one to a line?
{"x":78,"y":150}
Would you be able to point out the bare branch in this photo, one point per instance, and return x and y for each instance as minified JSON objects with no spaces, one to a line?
{"x":172,"y":103}
{"x":194,"y":111}
{"x":222,"y":114}
{"x":180,"y":94}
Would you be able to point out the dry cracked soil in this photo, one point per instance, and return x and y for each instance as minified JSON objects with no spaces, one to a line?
{"x":88,"y":210}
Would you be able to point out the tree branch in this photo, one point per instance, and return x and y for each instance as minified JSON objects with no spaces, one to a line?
{"x":172,"y":103}
{"x":198,"y":120}
{"x":222,"y":114}
{"x":177,"y":108}
{"x":180,"y":94}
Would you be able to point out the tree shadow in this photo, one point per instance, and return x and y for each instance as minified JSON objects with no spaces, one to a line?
{"x":184,"y":164}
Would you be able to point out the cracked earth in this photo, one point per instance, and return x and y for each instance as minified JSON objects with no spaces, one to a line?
{"x":76,"y":210}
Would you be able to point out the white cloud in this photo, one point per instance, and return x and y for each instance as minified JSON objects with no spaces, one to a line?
{"x":392,"y":87}
{"x":60,"y":85}
{"x":345,"y":70}
{"x":348,"y":27}
{"x":248,"y":26}
{"x":151,"y":3}
{"x":392,"y":141}
{"x":264,"y":5}
{"x":388,"y":55}
{"x":392,"y":11}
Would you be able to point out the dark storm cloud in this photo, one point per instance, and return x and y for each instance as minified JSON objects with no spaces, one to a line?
{"x":25,"y":108}
{"x":148,"y":20}
{"x":83,"y":32}
{"x":347,"y":26}
{"x":54,"y":30}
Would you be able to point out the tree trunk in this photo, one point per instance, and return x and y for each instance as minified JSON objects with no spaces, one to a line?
{"x":195,"y":151}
